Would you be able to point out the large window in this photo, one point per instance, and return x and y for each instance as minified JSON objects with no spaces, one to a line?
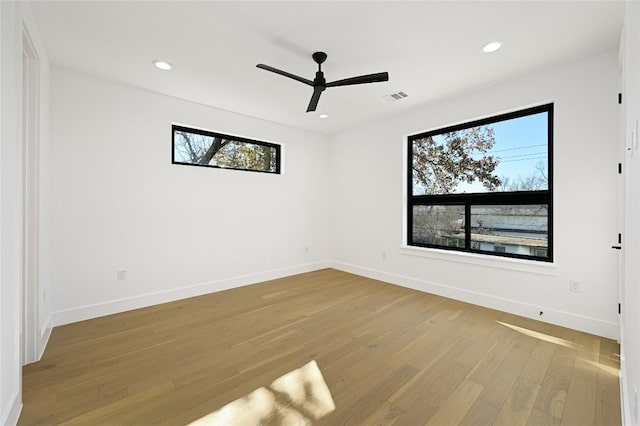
{"x":484,"y":186}
{"x":203,"y":148}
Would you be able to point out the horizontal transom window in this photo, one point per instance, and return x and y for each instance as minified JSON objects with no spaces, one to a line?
{"x":204,"y":148}
{"x":484,"y":186}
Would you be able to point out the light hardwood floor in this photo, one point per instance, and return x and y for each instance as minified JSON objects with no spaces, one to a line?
{"x":388,"y":355}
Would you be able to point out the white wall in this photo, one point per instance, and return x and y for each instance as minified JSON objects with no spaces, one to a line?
{"x":14,"y":18}
{"x":630,"y":324}
{"x":10,"y":377}
{"x":119,"y":204}
{"x":368,"y":177}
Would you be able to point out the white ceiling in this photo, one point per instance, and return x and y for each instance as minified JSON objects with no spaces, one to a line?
{"x":430,"y":49}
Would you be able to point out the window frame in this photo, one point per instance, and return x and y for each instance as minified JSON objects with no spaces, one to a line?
{"x":208,"y":133}
{"x":516,"y":198}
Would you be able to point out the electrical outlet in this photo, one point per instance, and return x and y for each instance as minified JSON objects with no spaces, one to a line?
{"x":121,"y":275}
{"x":306,"y":250}
{"x":574,"y":286}
{"x":384,"y":255}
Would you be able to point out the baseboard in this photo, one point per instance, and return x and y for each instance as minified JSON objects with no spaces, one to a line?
{"x":45,"y":333}
{"x":561,"y":318}
{"x":121,"y":305}
{"x":14,"y":409}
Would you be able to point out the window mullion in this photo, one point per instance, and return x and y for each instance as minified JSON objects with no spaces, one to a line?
{"x":467,"y":226}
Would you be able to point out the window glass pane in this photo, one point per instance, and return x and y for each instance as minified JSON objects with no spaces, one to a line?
{"x":508,"y":155}
{"x":510,"y":229}
{"x":441,"y":225}
{"x":498,"y":171}
{"x":223,"y":151}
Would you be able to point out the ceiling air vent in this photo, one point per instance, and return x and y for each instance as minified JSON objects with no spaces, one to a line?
{"x":396,"y":96}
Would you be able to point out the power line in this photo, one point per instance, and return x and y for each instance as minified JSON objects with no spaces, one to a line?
{"x":524,"y":155}
{"x":513,"y":149}
{"x":525,"y":159}
{"x":529,"y":154}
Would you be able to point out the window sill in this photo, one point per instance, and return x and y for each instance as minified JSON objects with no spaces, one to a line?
{"x":521,"y":265}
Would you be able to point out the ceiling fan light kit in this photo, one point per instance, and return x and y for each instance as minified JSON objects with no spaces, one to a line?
{"x":319,"y":83}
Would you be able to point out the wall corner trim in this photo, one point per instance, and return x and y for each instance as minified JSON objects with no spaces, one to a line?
{"x":564,"y":319}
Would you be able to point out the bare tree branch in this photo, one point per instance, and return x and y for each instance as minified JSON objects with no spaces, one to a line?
{"x":216,"y":146}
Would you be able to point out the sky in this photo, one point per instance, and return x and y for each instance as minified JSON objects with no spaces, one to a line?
{"x":520,"y":144}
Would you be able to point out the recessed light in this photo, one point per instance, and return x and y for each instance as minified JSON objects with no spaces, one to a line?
{"x":323,"y":116}
{"x":492,"y":47}
{"x":162,"y":65}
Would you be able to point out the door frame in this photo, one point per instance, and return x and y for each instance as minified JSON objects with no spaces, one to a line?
{"x":29,"y":192}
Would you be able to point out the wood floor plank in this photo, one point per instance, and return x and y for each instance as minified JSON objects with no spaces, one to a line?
{"x":365,"y":405}
{"x":501,"y":384}
{"x":112,"y":413}
{"x":457,"y":405}
{"x":580,"y":405}
{"x":491,"y":360}
{"x":536,"y":367}
{"x":480,"y":413}
{"x":444,"y":375}
{"x":540,"y":418}
{"x":519,"y":403}
{"x":609,"y":353}
{"x":553,"y":392}
{"x":387,"y":355}
{"x":607,"y":399}
{"x":417,"y":414}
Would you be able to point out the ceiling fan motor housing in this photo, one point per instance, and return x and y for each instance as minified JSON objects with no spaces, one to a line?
{"x":319,"y":57}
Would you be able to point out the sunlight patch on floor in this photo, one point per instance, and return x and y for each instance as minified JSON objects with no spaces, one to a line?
{"x":296,"y":398}
{"x":540,"y":336}
{"x":611,"y":370}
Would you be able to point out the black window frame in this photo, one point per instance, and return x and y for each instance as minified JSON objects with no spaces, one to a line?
{"x":208,"y":133}
{"x":516,"y":198}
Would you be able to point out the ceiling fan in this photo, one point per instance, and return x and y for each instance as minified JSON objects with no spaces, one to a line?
{"x":320,"y":84}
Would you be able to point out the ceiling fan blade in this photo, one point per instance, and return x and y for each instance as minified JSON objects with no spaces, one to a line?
{"x":313,"y":103}
{"x":369,"y":78}
{"x":286,"y":74}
